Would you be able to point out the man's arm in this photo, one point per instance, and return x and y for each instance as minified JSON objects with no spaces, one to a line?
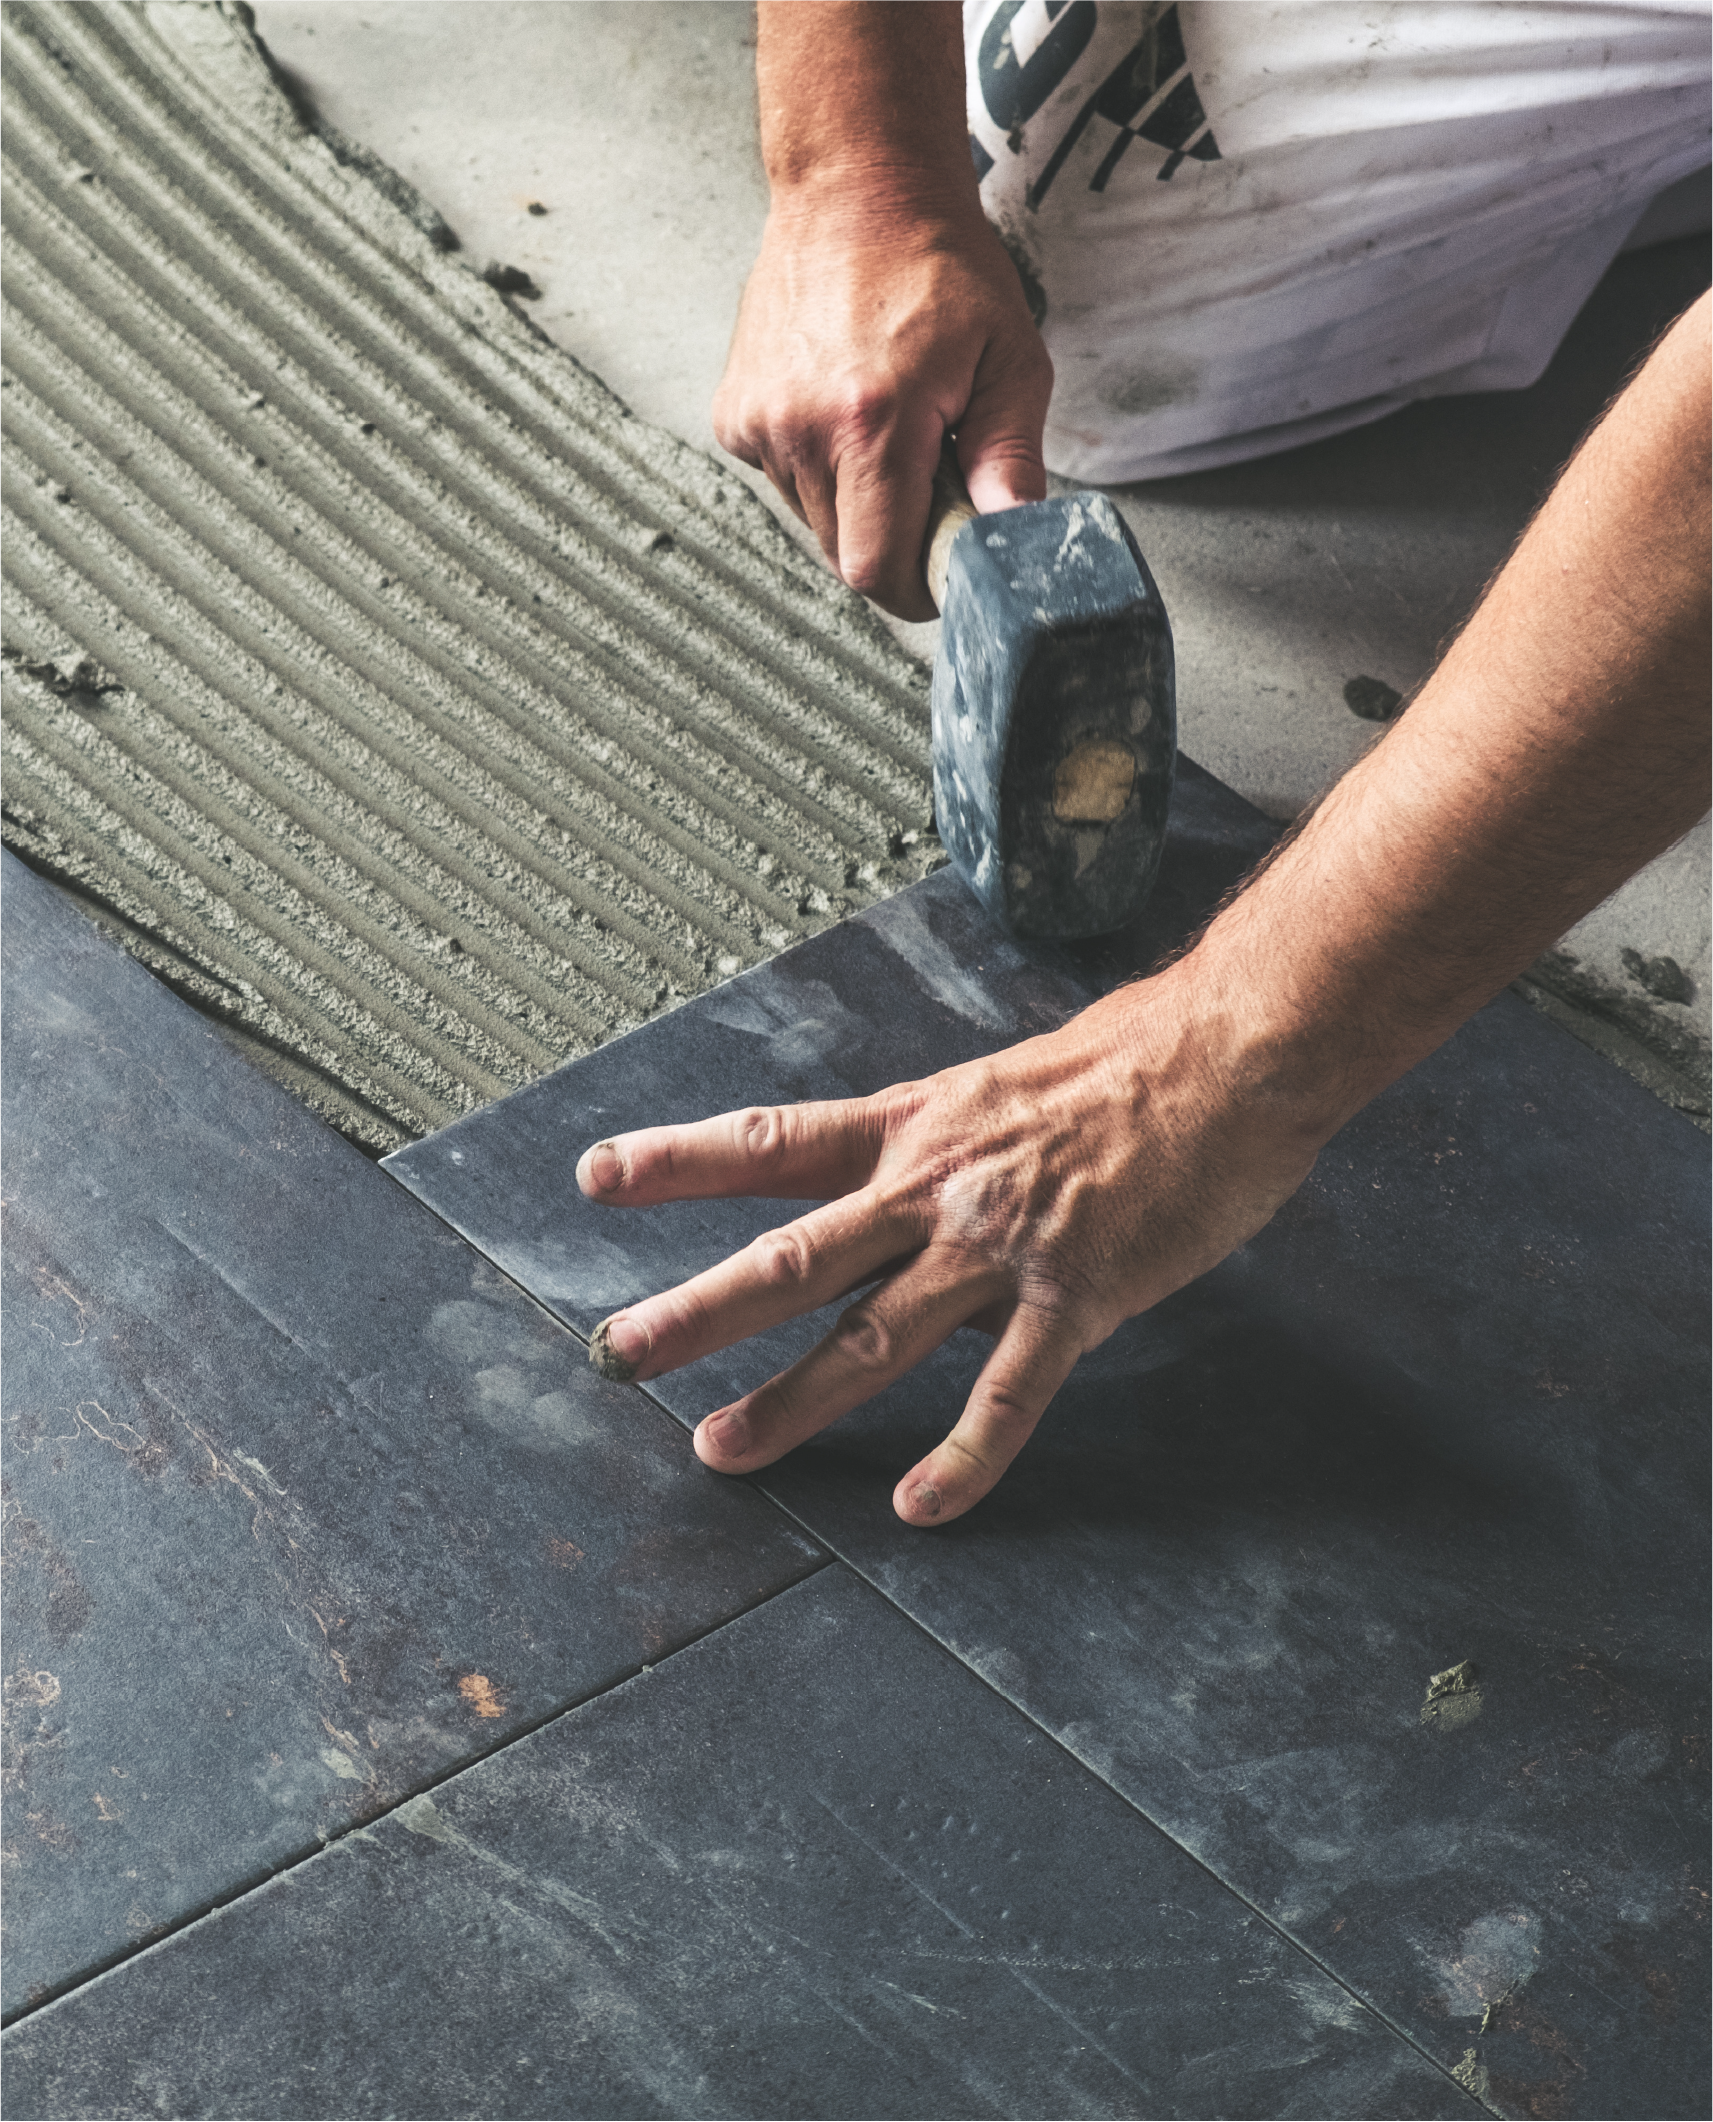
{"x":883,"y":311}
{"x":1052,"y":1191}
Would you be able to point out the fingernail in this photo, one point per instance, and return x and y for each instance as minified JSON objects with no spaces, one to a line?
{"x":606,"y":1168}
{"x":618,"y":1347}
{"x":925,"y":1501}
{"x":728,"y":1432}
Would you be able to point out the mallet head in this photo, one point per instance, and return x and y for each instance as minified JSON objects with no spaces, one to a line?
{"x":1054,"y":720}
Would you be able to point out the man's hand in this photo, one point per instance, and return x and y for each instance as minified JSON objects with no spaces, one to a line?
{"x":867,"y":333}
{"x":883,"y":311}
{"x":1044,"y":1195}
{"x":1051,"y":1191}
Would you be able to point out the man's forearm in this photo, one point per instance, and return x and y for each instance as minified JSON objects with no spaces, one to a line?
{"x":864,"y":95}
{"x":1561,"y":744}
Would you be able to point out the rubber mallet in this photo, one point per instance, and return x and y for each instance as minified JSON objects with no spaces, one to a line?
{"x":1054,"y":718}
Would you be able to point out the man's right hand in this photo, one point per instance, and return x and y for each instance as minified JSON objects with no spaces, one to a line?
{"x":883,"y":311}
{"x":867,"y":332}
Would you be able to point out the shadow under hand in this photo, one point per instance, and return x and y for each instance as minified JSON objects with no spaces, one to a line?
{"x":1199,"y":1414}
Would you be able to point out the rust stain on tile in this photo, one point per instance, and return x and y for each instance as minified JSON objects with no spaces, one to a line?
{"x":479,"y":1692}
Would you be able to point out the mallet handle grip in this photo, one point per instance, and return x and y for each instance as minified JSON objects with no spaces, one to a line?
{"x":948,"y":511}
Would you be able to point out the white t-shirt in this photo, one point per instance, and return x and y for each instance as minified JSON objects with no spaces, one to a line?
{"x":1251,"y":225}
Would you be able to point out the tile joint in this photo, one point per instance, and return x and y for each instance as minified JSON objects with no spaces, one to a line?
{"x":1124,"y":1797}
{"x":835,"y":1555}
{"x":115,"y":1962}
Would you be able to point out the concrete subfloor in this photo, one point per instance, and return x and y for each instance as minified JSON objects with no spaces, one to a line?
{"x":635,"y":128}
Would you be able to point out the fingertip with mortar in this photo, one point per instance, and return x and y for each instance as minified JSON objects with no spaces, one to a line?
{"x":618,"y":1348}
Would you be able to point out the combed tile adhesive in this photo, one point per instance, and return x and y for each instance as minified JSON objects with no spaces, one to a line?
{"x":378,"y":679}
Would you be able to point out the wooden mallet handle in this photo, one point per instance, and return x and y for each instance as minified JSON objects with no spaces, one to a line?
{"x":948,"y":511}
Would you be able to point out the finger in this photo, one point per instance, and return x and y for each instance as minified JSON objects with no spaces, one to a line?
{"x":884,"y":489}
{"x":999,"y":434}
{"x":806,"y":480}
{"x":875,"y":1341}
{"x":812,"y":1152}
{"x":734,"y":412}
{"x":784,"y":1272}
{"x":785,"y":486}
{"x":745,"y":452}
{"x":1035,"y":1356}
{"x":751,"y":442}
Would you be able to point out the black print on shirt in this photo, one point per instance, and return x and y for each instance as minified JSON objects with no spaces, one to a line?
{"x":1149,"y":95}
{"x":1015,"y":90}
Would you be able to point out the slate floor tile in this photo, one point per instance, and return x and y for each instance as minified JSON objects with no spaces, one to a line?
{"x":1449,"y":1406}
{"x":809,"y":1866}
{"x":915,"y":984}
{"x":305,"y":1503}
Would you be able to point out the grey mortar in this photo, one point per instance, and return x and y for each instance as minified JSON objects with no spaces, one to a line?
{"x":448,"y":719}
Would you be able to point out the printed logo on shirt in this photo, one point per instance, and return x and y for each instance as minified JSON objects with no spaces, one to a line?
{"x":1016,"y":76}
{"x":1028,"y":48}
{"x":1149,"y":95}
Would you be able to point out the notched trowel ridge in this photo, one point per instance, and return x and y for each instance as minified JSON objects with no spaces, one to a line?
{"x":442,"y":715}
{"x":607,"y":1360}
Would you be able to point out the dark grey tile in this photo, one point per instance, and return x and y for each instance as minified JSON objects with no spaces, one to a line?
{"x":1450,"y":1405}
{"x":809,"y":1866}
{"x":304,"y":1502}
{"x":915,"y":984}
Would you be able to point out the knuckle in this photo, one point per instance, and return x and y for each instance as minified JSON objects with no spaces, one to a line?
{"x":786,"y":1403}
{"x":737,"y":429}
{"x":789,"y":466}
{"x":981,"y":1208}
{"x":864,"y":1340}
{"x":1022,"y":358}
{"x":1051,"y":1297}
{"x":776,"y":1411}
{"x":784,"y":1259}
{"x":762,"y":1132}
{"x":984,"y":1467}
{"x":864,"y":414}
{"x":899,"y":1102}
{"x":889,"y":1116}
{"x":794,"y":435}
{"x":679,"y":1319}
{"x":1057,"y":1297}
{"x":1003,"y":1400}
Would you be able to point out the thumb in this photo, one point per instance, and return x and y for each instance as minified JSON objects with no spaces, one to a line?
{"x":999,"y":435}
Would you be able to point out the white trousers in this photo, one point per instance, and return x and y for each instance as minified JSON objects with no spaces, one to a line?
{"x":1244,"y":226}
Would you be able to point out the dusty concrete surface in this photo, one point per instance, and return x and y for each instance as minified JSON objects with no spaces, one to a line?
{"x":635,"y":127}
{"x":391,"y":689}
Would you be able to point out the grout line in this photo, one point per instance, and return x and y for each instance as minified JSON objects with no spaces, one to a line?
{"x":836,"y":1554}
{"x":257,"y":1881}
{"x":97,"y":1970}
{"x":1201,"y":1864}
